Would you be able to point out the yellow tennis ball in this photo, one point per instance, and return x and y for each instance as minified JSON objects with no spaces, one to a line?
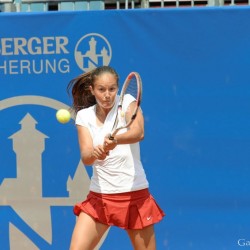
{"x":63,"y":116}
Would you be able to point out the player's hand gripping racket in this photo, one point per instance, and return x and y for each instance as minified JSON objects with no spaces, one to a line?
{"x":124,"y":118}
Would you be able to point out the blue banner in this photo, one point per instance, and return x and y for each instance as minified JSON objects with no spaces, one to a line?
{"x":194,"y":64}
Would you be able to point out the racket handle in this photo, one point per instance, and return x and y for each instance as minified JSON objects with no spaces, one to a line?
{"x":111,"y":137}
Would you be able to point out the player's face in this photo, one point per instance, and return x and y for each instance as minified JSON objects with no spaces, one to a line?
{"x":105,"y":90}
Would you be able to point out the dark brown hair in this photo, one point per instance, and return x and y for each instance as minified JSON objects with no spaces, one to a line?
{"x":79,"y":87}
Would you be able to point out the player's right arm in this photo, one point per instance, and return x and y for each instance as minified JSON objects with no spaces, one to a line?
{"x":88,"y":152}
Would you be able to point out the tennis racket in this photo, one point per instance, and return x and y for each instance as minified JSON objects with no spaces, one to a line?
{"x":132,"y":88}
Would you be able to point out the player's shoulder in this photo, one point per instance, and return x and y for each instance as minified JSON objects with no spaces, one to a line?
{"x":86,"y":114}
{"x":87,"y":111}
{"x":128,"y":99}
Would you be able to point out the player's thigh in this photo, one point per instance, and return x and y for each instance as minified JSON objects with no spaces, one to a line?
{"x":143,"y":239}
{"x":87,"y":233}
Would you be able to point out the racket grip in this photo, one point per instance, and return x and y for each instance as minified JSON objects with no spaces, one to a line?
{"x":111,"y":137}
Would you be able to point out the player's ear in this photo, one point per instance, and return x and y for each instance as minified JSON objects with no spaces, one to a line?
{"x":91,"y":90}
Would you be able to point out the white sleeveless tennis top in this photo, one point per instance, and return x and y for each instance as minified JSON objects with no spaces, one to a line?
{"x":122,"y":170}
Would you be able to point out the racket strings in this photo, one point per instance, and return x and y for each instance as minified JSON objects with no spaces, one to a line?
{"x":131,"y":93}
{"x":129,"y":103}
{"x":132,"y":88}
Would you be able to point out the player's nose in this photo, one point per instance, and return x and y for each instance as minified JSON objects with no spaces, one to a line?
{"x":107,"y":94}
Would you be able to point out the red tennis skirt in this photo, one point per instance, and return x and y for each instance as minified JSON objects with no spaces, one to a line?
{"x":131,"y":210}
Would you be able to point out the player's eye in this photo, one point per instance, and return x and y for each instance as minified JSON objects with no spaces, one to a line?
{"x":112,"y":89}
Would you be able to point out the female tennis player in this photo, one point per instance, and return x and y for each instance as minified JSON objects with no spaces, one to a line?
{"x":118,"y":193}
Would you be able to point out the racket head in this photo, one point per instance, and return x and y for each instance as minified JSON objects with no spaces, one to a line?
{"x":131,"y":93}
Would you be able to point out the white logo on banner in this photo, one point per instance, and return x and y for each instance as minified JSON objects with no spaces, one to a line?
{"x":51,"y":55}
{"x":24,"y":192}
{"x":92,"y":50}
